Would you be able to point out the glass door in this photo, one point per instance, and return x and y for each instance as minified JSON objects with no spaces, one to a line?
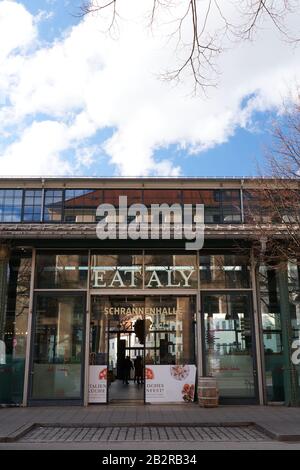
{"x":229,"y":345}
{"x":58,"y":348}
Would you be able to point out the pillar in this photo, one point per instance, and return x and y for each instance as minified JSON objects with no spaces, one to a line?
{"x":290,"y":373}
{"x":4,"y":259}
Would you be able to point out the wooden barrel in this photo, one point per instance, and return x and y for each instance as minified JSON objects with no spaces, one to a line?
{"x":208,"y":393}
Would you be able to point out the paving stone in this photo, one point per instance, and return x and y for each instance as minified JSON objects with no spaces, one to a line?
{"x":144,"y":433}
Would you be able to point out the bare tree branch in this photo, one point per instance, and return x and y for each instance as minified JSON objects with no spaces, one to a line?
{"x":205,"y":45}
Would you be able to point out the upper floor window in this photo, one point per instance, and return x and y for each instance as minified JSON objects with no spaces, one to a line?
{"x":53,"y":205}
{"x":80,"y":205}
{"x":268,"y":206}
{"x":32,"y":205}
{"x":223,"y":271}
{"x":10,"y":205}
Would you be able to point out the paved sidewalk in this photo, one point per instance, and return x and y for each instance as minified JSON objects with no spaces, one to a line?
{"x":280,"y":423}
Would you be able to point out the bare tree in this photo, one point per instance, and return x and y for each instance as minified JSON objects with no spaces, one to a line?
{"x":275,"y":205}
{"x":198,"y":39}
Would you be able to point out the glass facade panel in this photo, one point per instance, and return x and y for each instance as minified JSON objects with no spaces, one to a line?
{"x":171,"y":270}
{"x":111,"y":196}
{"x":272,"y":334}
{"x":13,"y":329}
{"x":229,"y":344}
{"x":116,"y":270}
{"x":222,"y":271}
{"x":10,"y":205}
{"x":61,"y":270}
{"x":220,"y":206}
{"x":294,"y":297}
{"x":164,"y":196}
{"x":58,"y":347}
{"x":32,"y":206}
{"x":170,"y":322}
{"x":272,"y":206}
{"x":53,"y":205}
{"x":80,"y":205}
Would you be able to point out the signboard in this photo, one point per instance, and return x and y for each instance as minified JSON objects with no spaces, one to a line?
{"x":170,"y":383}
{"x":97,"y":384}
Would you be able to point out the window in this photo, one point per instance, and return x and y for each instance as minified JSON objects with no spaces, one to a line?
{"x":81,"y":204}
{"x":13,"y":323}
{"x":116,"y":270}
{"x":58,"y":347}
{"x":220,"y":206}
{"x":220,"y":271}
{"x":170,"y":270}
{"x":62,"y":271}
{"x":10,"y":205}
{"x":53,"y":205}
{"x":32,"y":205}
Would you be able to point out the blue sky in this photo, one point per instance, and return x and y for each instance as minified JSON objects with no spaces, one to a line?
{"x":76,"y":100}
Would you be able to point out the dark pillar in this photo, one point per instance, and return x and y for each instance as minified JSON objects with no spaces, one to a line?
{"x":4,"y":259}
{"x":290,"y":373}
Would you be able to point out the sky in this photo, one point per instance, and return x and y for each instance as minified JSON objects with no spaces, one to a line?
{"x":76,"y":99}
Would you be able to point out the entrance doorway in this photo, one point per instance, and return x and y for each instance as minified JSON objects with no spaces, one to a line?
{"x":142,"y":348}
{"x":126,"y":366}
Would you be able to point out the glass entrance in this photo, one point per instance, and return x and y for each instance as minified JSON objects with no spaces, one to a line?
{"x":229,"y":345}
{"x":142,"y":348}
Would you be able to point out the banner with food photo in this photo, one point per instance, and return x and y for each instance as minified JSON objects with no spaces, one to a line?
{"x":170,"y":383}
{"x":97,"y":384}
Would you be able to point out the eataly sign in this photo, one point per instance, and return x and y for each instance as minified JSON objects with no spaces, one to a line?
{"x":128,"y":276}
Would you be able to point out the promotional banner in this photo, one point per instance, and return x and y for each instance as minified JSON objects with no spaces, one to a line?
{"x":171,"y":383}
{"x":97,"y":384}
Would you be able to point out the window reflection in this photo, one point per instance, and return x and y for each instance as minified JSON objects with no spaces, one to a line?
{"x":61,"y":270}
{"x":228,"y":343}
{"x":10,"y":205}
{"x":58,"y":347}
{"x":224,"y":271}
{"x":53,"y":205}
{"x":116,"y":270}
{"x":13,"y":328}
{"x":170,"y":270}
{"x":272,"y":333}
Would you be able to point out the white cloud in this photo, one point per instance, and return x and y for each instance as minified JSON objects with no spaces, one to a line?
{"x":88,"y":81}
{"x":17,"y":28}
{"x":37,"y":152}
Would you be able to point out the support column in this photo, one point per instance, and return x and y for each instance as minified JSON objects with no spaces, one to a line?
{"x":258,"y":332}
{"x":4,"y":259}
{"x":290,"y":373}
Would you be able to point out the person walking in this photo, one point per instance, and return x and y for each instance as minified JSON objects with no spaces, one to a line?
{"x":127,"y":366}
{"x":138,"y":370}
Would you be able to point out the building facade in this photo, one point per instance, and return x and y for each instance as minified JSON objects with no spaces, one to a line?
{"x":73,"y":307}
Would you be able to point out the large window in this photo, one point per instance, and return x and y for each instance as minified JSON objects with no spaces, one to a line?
{"x":61,"y":270}
{"x":116,"y":270}
{"x":272,"y":333}
{"x":13,"y":329}
{"x":53,"y":205}
{"x":222,"y":206}
{"x":267,"y":206}
{"x":223,"y":271}
{"x":170,"y":336}
{"x":58,"y":347}
{"x":32,"y":205}
{"x":170,"y":270}
{"x":81,"y":204}
{"x":229,"y":345}
{"x":10,"y":205}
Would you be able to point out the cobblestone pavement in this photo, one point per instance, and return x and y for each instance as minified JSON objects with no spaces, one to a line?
{"x":48,"y":434}
{"x":279,"y":422}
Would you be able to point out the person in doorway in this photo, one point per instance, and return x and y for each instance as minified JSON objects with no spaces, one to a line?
{"x":138,"y":370}
{"x":127,"y":366}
